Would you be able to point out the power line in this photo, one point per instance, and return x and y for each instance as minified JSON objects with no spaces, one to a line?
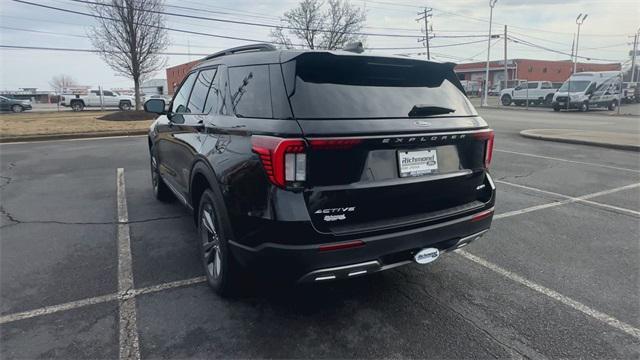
{"x":528,"y":43}
{"x":248,"y":23}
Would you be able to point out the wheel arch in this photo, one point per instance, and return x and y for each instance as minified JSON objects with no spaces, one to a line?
{"x":202,"y":177}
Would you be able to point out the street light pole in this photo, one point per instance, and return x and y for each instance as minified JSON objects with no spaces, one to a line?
{"x":579,"y":20}
{"x":492,"y":3}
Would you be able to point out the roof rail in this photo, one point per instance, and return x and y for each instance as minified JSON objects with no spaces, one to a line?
{"x":244,"y":48}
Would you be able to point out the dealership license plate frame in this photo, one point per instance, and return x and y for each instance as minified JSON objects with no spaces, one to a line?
{"x":429,"y":167}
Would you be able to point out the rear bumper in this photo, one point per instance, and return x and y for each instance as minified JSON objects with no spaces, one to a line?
{"x":376,"y":253}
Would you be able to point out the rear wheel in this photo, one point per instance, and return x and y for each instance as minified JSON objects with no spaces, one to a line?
{"x":160,"y":190}
{"x":220,"y":267}
{"x":125,"y":106}
{"x":548,"y":99}
{"x":506,"y":100}
{"x":556,"y":108}
{"x":17,"y":109}
{"x":77,"y":106}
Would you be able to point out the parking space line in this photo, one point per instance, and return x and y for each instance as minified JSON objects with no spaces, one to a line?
{"x":56,"y":308}
{"x":128,"y":334}
{"x":569,"y":199}
{"x":607,"y":319}
{"x":170,"y":285}
{"x":569,"y":161}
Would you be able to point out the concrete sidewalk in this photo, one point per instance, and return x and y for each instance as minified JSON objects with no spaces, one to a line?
{"x":623,"y":141}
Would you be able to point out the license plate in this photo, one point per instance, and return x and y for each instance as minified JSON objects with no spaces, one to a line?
{"x":416,"y":163}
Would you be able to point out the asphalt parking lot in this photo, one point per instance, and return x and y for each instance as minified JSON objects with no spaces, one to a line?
{"x":91,"y":266}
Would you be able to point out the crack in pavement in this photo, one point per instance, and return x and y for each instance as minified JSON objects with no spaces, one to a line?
{"x":459,"y":314}
{"x":16,"y":221}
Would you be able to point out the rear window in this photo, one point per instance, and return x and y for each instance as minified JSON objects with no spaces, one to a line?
{"x":327,"y":86}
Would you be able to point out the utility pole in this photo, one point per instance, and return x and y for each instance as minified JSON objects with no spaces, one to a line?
{"x":492,"y":3}
{"x":633,"y":56}
{"x":506,"y":71}
{"x":579,"y":22}
{"x":426,"y":13}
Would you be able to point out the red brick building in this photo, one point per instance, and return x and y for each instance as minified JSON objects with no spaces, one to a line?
{"x":175,"y":74}
{"x":527,"y":69}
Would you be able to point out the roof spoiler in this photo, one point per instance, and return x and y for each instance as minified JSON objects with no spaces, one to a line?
{"x":242,"y":49}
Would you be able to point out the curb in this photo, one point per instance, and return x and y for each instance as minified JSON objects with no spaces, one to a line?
{"x":542,"y":109}
{"x":531,"y":135}
{"x":12,"y":139}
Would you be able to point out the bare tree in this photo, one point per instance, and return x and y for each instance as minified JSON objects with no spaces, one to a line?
{"x":130,"y":35}
{"x":62,"y":82}
{"x":329,"y":29}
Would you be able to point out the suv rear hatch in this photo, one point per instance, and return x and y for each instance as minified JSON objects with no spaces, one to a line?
{"x":389,"y":141}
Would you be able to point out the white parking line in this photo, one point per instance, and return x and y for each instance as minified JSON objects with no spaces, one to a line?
{"x":97,"y":300}
{"x":568,"y":161}
{"x":56,"y":308}
{"x":569,"y":199}
{"x":607,"y":319}
{"x":129,"y":345}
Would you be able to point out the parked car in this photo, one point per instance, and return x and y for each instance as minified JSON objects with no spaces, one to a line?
{"x":494,"y":90}
{"x":536,"y":92}
{"x":78,"y":102}
{"x":15,"y":105}
{"x":322,"y":165}
{"x":585,"y":90}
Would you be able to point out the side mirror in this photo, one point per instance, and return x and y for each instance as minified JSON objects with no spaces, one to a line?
{"x":155,"y":106}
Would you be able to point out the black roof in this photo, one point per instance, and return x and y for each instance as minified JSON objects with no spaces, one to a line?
{"x":257,"y":54}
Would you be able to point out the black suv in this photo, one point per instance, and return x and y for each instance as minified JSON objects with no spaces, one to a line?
{"x":322,"y":165}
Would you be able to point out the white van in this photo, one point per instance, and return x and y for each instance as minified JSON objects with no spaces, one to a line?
{"x":587,"y":90}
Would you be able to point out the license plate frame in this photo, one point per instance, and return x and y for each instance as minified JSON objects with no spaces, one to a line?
{"x":420,"y":162}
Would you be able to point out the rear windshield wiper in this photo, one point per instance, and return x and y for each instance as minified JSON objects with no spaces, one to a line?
{"x":427,"y":110}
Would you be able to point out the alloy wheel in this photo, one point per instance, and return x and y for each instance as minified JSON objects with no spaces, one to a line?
{"x":210,"y":243}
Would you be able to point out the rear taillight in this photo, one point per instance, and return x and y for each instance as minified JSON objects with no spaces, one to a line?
{"x":488,"y":136}
{"x":284,"y":160}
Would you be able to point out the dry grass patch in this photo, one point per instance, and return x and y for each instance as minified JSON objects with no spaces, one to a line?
{"x":64,"y":123}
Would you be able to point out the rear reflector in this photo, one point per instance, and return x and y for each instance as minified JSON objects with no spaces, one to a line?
{"x":482,"y":215}
{"x":342,"y":246}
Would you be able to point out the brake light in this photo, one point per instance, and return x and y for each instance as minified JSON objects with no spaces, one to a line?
{"x":334,"y":144}
{"x":342,"y":245}
{"x":487,"y":135}
{"x":482,"y":215}
{"x":283,"y":160}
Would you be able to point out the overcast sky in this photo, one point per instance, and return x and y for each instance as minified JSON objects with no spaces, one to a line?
{"x":606,"y":34}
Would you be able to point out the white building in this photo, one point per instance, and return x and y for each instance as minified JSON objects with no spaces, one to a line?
{"x":154,"y":87}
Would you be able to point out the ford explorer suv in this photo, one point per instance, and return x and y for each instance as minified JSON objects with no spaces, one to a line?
{"x":322,"y":165}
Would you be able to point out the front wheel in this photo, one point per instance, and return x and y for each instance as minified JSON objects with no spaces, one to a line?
{"x":584,"y":107}
{"x":506,"y":100}
{"x":556,"y":108}
{"x":220,"y":267}
{"x":613,"y":105}
{"x":17,"y":109}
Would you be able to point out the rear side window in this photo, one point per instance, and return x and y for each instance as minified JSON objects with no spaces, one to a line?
{"x":201,"y":90}
{"x":329,"y":86}
{"x":532,"y":85}
{"x":250,"y":91}
{"x":182,"y":96}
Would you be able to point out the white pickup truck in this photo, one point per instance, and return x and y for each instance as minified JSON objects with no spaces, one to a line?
{"x":536,"y":92}
{"x":111,"y":99}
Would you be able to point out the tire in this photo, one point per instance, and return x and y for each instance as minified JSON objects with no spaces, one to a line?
{"x":17,"y":108}
{"x":160,"y":190}
{"x":77,"y":106}
{"x":506,"y":100}
{"x":584,"y":107}
{"x":125,"y":106}
{"x":220,"y":267}
{"x":548,"y":99}
{"x":556,"y":108}
{"x":613,"y":105}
